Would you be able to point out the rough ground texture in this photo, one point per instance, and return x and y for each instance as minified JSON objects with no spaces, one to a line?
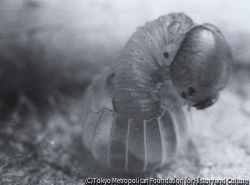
{"x":42,"y":83}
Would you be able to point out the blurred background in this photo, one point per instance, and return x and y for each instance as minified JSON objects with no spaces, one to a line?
{"x":50,"y":50}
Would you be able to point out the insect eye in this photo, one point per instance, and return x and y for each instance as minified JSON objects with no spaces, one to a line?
{"x":166,"y":55}
{"x":191,"y":91}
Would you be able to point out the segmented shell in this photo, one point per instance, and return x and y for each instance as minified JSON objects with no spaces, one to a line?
{"x":126,"y":144}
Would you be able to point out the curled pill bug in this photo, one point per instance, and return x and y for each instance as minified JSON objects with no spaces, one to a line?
{"x":133,"y":114}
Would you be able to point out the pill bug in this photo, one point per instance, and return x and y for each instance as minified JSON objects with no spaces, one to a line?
{"x":133,"y":114}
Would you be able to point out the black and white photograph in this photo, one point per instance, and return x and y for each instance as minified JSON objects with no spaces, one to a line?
{"x":124,"y":92}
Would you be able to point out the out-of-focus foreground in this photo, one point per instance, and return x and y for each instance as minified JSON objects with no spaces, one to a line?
{"x":51,"y":50}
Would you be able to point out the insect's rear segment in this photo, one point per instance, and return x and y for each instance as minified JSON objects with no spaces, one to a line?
{"x":130,"y":144}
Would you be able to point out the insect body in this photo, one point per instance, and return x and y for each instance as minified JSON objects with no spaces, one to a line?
{"x":134,"y":120}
